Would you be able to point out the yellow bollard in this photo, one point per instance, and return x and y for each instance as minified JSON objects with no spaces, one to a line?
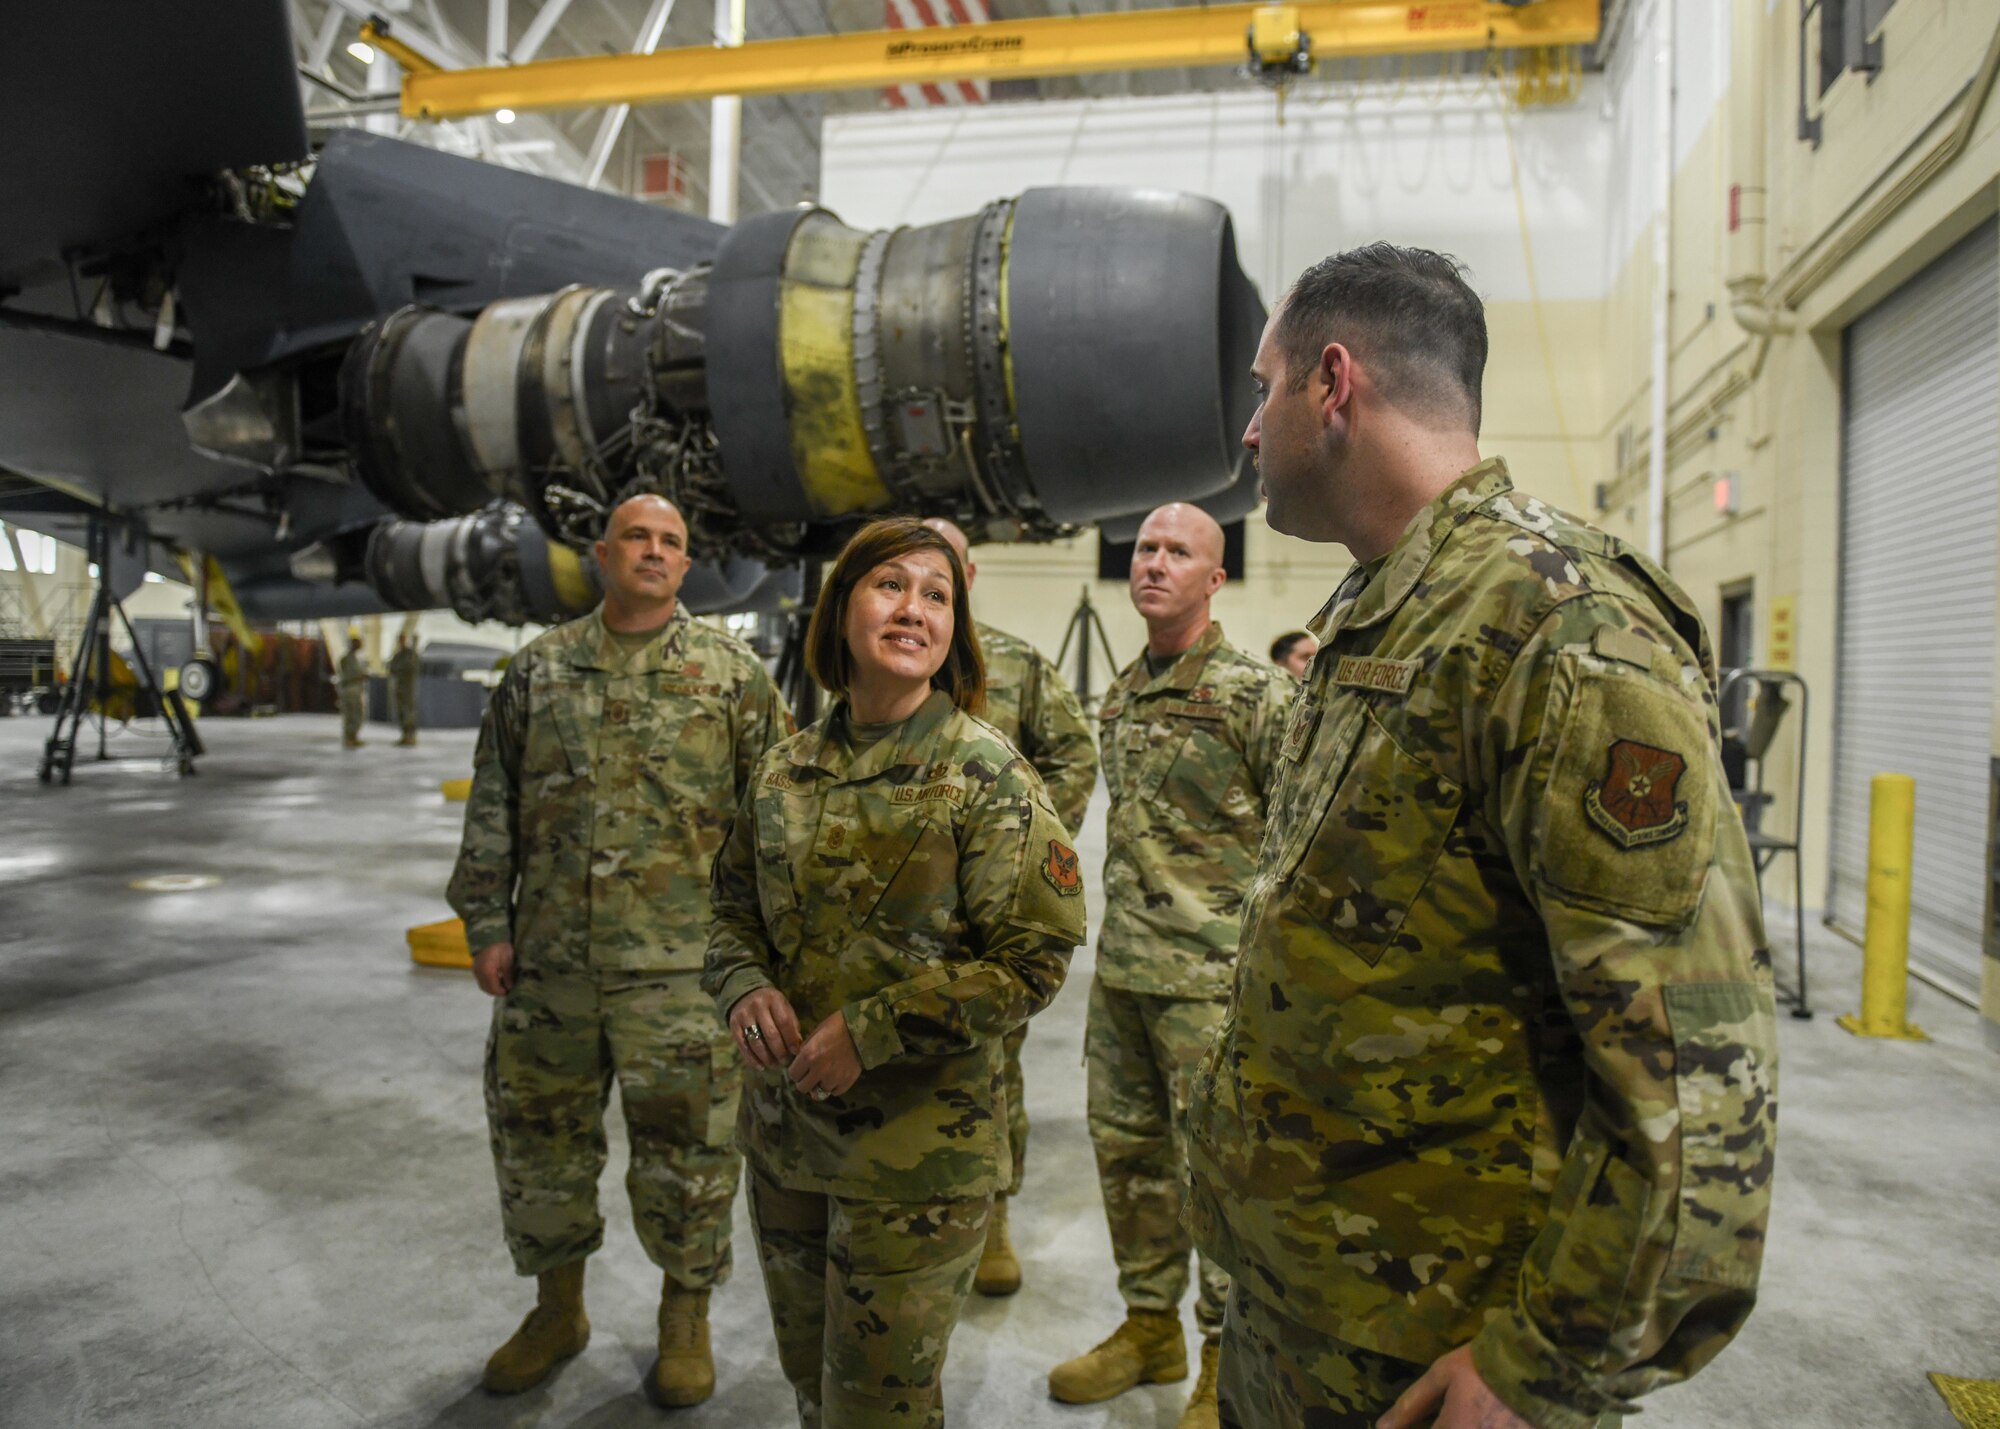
{"x":1885,"y":956}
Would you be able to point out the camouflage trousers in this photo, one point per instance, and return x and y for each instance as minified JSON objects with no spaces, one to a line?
{"x":1142,"y":1052}
{"x":1276,"y":1373}
{"x":864,"y":1296}
{"x":558,"y":1042}
{"x":406,"y":713}
{"x":353,"y":712}
{"x":1017,"y":1106}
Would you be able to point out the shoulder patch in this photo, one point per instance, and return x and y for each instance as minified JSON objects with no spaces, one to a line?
{"x":1061,"y":869}
{"x":1634,"y":803}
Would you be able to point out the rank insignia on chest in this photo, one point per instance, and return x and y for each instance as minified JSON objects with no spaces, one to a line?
{"x":1202,"y":694}
{"x":692,"y":670}
{"x":1061,"y":870}
{"x":1634,"y":803}
{"x":836,"y":836}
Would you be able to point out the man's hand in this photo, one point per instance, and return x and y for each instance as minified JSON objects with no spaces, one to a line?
{"x":1452,"y":1389}
{"x":493,"y":969}
{"x":829,"y":1063}
{"x":777,"y":1036}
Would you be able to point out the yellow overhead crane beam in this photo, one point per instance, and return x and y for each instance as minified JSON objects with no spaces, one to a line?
{"x":1274,"y":39}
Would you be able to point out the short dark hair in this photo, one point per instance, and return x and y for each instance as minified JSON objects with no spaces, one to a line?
{"x":1284,"y":644}
{"x":1407,"y":312}
{"x":829,"y":661}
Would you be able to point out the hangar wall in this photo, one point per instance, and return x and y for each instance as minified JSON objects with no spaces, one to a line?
{"x":1428,"y":161}
{"x":1430,"y":164}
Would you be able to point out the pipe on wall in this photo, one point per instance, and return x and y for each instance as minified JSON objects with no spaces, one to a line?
{"x":1663,"y":235}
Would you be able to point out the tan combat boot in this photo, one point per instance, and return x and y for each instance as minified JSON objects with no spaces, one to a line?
{"x":555,"y":1330}
{"x":684,"y":1373}
{"x":999,"y":1271}
{"x":1146,"y":1349}
{"x":1202,"y":1412}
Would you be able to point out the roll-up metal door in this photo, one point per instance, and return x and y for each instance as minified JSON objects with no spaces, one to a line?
{"x":1919,"y":526}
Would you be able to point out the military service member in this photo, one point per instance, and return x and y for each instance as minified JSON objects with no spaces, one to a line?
{"x":1488,"y":1132}
{"x":1027,"y":701}
{"x":610,"y":760}
{"x":403,"y":681}
{"x":896,"y":896}
{"x":353,"y":682}
{"x":1189,"y":734}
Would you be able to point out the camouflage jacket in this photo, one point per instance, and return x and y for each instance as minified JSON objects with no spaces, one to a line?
{"x":403,"y":670}
{"x":1027,"y":701}
{"x":1499,"y":1064}
{"x":924,"y":887}
{"x":353,"y":672}
{"x":1189,"y":759}
{"x":601,"y":790}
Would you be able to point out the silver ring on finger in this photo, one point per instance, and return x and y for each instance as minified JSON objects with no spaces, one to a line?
{"x":820,"y":1094}
{"x":753,"y":1033}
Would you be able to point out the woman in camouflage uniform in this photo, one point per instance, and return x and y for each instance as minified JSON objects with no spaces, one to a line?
{"x":896,"y":896}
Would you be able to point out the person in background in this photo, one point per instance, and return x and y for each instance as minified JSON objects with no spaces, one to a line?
{"x":1293,"y":653}
{"x":353,"y":694}
{"x":403,"y":666}
{"x":896,"y":897}
{"x":1189,"y":734}
{"x":1026,"y":700}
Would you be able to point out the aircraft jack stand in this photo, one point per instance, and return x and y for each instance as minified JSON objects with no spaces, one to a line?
{"x":90,"y":684}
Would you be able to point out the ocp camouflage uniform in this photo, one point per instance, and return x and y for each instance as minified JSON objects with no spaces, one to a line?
{"x":602,"y":787}
{"x":924,"y":887}
{"x":403,"y":667}
{"x":353,"y":696}
{"x":1028,"y":701}
{"x":1188,"y":758}
{"x":1499,"y":1063}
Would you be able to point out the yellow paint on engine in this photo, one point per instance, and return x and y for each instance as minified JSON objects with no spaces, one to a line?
{"x":816,"y":345}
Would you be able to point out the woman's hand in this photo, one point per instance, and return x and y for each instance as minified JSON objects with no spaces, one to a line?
{"x":766,"y":1028}
{"x":829,"y":1063}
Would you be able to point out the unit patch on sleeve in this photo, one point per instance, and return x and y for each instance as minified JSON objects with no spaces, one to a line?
{"x":1061,"y":870}
{"x":1634,"y":803}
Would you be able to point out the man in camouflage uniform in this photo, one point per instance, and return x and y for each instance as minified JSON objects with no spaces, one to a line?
{"x":1488,"y":1132}
{"x":1189,"y":736}
{"x":611,"y":759}
{"x":403,"y":682}
{"x":1026,"y":700}
{"x":353,"y":694}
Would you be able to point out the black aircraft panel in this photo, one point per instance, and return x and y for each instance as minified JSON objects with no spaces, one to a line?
{"x":113,"y":112}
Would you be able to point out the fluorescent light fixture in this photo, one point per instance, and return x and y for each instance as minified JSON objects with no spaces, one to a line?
{"x":362,"y":51}
{"x":526,"y":146}
{"x":505,"y":116}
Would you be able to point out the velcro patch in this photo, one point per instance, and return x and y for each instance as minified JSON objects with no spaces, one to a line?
{"x":1367,"y":673}
{"x":1062,"y":869}
{"x":1634,"y":804}
{"x":780,"y":781}
{"x":911,"y":794}
{"x":1188,"y":709}
{"x":683,"y":687}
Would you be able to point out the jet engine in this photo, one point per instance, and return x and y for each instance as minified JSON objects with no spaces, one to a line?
{"x":1068,"y":356}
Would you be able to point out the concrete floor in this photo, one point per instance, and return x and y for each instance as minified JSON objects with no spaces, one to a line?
{"x":244,"y":1177}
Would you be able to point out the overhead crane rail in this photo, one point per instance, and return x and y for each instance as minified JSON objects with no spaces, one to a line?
{"x":1276,"y":41}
